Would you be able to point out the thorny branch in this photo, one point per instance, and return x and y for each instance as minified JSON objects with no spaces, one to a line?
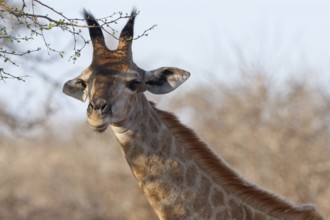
{"x":28,"y":16}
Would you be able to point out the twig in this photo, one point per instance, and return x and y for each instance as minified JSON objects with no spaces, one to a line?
{"x":38,"y":24}
{"x":5,"y":75}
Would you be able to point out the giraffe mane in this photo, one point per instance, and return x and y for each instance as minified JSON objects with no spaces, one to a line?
{"x":220,"y":171}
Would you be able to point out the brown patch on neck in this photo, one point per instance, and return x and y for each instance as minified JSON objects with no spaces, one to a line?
{"x":228,"y":179}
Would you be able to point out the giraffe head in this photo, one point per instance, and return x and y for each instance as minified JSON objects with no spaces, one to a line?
{"x":113,"y":82}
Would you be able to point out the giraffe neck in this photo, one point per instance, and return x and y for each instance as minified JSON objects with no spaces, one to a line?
{"x":183,"y":179}
{"x":148,"y":147}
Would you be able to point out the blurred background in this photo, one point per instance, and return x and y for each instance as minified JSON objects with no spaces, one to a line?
{"x":258,"y":95}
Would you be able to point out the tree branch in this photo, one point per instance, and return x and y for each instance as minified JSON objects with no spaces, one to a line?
{"x":26,"y":17}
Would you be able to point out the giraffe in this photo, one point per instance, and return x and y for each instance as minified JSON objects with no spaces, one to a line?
{"x":178,"y":173}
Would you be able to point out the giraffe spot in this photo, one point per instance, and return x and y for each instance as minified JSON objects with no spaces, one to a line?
{"x":156,"y":192}
{"x":180,"y":209}
{"x":136,"y":159}
{"x":175,"y":211}
{"x":153,"y":124}
{"x":205,"y":186}
{"x":176,"y":172}
{"x":188,"y":196}
{"x":155,"y":144}
{"x":180,"y":152}
{"x":191,"y":175}
{"x":218,"y":198}
{"x":144,"y":138}
{"x":222,"y":215}
{"x":139,"y":171}
{"x":201,"y":203}
{"x":155,"y":165}
{"x":135,"y":154}
{"x":152,"y":160}
{"x":202,"y":206}
{"x":166,"y":146}
{"x":236,"y":209}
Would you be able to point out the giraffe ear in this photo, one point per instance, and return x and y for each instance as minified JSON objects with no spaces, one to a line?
{"x":78,"y":87}
{"x":165,"y":79}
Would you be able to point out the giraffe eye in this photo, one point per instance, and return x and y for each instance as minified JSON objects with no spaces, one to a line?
{"x":133,"y":84}
{"x":136,"y":85}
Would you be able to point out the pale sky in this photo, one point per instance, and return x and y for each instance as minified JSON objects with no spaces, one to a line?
{"x":214,"y":36}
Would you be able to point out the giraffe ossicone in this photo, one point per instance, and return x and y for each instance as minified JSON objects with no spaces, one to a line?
{"x":178,"y":173}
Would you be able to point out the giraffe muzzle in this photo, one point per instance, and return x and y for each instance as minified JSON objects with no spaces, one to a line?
{"x":98,"y":113}
{"x":99,"y":106}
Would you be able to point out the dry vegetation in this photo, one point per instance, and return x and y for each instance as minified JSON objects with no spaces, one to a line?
{"x":276,"y":137}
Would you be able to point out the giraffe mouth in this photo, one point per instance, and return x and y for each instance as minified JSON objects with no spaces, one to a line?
{"x":99,"y":128}
{"x":98,"y":124}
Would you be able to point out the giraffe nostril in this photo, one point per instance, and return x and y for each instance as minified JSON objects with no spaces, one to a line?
{"x":104,"y":107}
{"x":90,"y":107}
{"x":98,"y":104}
